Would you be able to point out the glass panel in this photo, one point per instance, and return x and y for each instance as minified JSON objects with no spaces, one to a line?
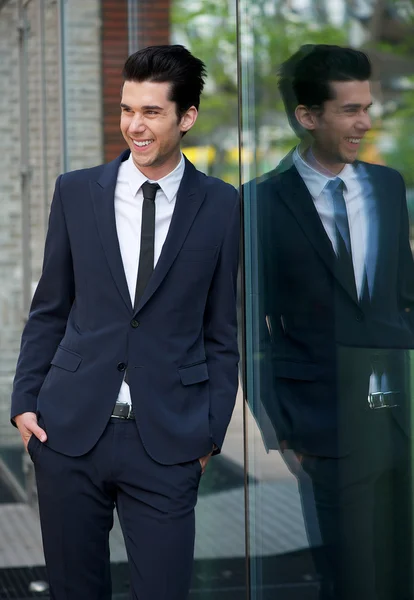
{"x":208,"y":29}
{"x":329,"y":280}
{"x":60,"y":90}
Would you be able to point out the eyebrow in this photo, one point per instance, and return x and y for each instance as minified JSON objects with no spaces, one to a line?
{"x":356,"y":105}
{"x":147,"y":107}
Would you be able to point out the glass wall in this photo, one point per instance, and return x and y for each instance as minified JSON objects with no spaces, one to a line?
{"x":328,"y":297}
{"x":61,"y":65}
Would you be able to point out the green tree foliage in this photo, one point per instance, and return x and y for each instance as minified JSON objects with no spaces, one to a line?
{"x":209,"y":30}
{"x":270,"y":32}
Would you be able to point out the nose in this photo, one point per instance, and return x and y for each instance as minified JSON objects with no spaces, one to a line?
{"x":137,"y":124}
{"x":364,"y":122}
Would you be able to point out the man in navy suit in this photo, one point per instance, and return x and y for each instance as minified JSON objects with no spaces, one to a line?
{"x":336,"y":291}
{"x":127,"y":374}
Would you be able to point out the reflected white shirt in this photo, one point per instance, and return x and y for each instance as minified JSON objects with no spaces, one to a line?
{"x":128,"y":217}
{"x":316,"y":183}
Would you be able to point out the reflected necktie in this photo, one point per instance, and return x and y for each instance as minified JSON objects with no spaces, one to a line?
{"x":146,"y":254}
{"x":343,"y":238}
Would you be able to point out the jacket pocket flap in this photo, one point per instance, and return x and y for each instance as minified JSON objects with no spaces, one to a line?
{"x":66,"y":359}
{"x":296,"y":370}
{"x":193,"y":374}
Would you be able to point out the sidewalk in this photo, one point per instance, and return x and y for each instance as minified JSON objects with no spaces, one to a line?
{"x":275,"y":522}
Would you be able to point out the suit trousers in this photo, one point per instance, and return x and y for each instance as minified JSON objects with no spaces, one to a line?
{"x":155,"y":505}
{"x":363,"y":507}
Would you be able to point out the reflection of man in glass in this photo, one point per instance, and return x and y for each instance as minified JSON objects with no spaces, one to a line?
{"x":337,"y":279}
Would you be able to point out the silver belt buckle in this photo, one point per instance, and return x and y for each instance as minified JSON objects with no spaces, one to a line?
{"x":378,"y":400}
{"x":125,"y":410}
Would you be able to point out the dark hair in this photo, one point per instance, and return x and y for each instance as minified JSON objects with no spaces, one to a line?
{"x":286,"y":75}
{"x":169,"y":64}
{"x":306,"y":76}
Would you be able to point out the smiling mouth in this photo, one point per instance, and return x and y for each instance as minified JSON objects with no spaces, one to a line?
{"x":142,"y":144}
{"x":354,"y":140}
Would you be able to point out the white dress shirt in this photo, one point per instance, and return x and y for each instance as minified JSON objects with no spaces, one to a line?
{"x":316,"y":182}
{"x":128,"y":217}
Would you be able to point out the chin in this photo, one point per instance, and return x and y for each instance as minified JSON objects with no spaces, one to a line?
{"x":144,"y":162}
{"x":348,"y":160}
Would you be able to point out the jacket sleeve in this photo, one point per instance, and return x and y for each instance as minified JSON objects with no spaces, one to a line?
{"x":405,"y":261}
{"x":220,"y":329}
{"x":269,"y":335}
{"x":48,"y":314}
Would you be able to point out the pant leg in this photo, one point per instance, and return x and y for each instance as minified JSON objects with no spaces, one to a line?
{"x":393,"y":515}
{"x":400,"y":515}
{"x":307,"y":498}
{"x":76,"y":515}
{"x":345,"y":509}
{"x":364,"y":507}
{"x":156,"y":510}
{"x":402,"y":548}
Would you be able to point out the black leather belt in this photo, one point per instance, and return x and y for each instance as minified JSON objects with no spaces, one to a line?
{"x":123,"y":410}
{"x":383,"y":400}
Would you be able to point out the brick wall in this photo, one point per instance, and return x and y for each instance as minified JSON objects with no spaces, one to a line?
{"x":153,"y":27}
{"x":153,"y":22}
{"x":114,"y":54}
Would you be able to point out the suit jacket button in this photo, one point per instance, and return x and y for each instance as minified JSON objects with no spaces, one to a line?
{"x":134,"y":323}
{"x":359,"y":317}
{"x":121,"y":366}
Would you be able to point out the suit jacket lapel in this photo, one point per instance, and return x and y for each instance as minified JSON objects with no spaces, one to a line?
{"x":296,"y":196}
{"x":190,"y":197}
{"x":103,"y":194}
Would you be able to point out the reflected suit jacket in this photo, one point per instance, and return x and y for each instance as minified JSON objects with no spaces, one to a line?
{"x":315,"y":339}
{"x":179,"y":345}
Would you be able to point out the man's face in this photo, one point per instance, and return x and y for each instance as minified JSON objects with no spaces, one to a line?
{"x":151,"y":127}
{"x":341,"y":126}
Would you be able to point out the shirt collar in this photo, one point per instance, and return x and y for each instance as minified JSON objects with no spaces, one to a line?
{"x":169,"y":184}
{"x":317,"y":181}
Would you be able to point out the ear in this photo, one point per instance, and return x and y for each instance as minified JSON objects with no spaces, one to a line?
{"x":306,"y":117}
{"x":188,"y":119}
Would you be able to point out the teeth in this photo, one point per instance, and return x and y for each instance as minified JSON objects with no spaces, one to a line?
{"x":141,"y":144}
{"x":354,"y":140}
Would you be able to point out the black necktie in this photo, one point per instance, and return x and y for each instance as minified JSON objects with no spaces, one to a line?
{"x":146,"y":255}
{"x":343,"y":238}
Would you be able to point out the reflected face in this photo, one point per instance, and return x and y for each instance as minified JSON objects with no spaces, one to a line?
{"x":340,"y":128}
{"x":151,"y":127}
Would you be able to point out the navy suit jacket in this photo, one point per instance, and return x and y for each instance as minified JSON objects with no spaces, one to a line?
{"x":179,"y":345}
{"x":315,"y":340}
